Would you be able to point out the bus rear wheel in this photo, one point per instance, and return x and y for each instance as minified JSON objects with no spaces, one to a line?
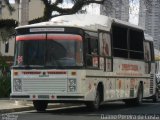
{"x":155,"y":97}
{"x":138,"y":99}
{"x":40,"y":105}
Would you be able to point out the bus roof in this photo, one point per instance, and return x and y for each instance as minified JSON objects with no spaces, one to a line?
{"x":84,"y":21}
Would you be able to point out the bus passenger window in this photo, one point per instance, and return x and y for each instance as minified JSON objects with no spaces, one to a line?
{"x":147,"y":52}
{"x":105,"y":49}
{"x":92,"y":50}
{"x":120,"y":41}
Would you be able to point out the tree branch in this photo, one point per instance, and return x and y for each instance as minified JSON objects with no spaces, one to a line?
{"x":10,"y":8}
{"x":76,"y":7}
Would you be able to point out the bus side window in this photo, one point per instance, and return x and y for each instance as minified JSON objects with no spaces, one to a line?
{"x":148,"y":56}
{"x":105,"y":44}
{"x":105,"y":51}
{"x":147,"y":52}
{"x":92,"y":50}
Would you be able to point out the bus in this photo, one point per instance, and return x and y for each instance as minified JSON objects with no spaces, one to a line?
{"x":82,"y":58}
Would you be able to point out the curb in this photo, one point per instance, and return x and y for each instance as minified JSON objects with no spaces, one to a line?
{"x":28,"y":108}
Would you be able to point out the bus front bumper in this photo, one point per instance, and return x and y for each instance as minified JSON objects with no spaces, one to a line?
{"x":52,"y":97}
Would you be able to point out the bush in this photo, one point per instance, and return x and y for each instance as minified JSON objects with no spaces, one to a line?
{"x":5,"y":86}
{"x":5,"y":78}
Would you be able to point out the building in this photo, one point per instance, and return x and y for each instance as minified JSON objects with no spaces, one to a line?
{"x":33,"y":12}
{"x":149,"y":19}
{"x":118,"y":9}
{"x":0,"y":9}
{"x":20,"y":14}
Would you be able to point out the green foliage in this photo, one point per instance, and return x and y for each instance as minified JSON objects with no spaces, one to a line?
{"x":5,"y":79}
{"x":8,"y":23}
{"x":37,"y":20}
{"x":7,"y":29}
{"x":5,"y":86}
{"x":6,"y":33}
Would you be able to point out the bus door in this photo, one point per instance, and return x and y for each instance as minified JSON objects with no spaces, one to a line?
{"x":106,"y":61}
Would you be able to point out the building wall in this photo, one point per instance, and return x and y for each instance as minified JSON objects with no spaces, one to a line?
{"x":118,"y":9}
{"x":149,"y":19}
{"x":0,"y":9}
{"x":36,"y":8}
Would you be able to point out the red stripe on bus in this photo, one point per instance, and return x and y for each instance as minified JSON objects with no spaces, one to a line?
{"x":23,"y":38}
{"x":31,"y":72}
{"x":56,"y":72}
{"x":55,"y":37}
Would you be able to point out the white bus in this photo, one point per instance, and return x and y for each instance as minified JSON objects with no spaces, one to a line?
{"x":82,"y":58}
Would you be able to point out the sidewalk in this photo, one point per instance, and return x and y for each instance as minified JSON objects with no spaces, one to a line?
{"x":8,"y":106}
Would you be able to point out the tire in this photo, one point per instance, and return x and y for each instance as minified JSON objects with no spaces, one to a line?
{"x":138,"y":100}
{"x":155,"y":97}
{"x":40,"y":105}
{"x":94,"y":105}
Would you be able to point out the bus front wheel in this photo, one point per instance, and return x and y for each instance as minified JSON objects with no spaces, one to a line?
{"x":40,"y":105}
{"x":94,"y":105}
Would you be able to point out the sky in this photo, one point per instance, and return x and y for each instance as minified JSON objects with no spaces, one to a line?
{"x":95,"y":9}
{"x":134,"y":10}
{"x":12,"y":1}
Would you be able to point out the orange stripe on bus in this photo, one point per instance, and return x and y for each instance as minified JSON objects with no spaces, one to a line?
{"x":23,"y":38}
{"x":54,"y":37}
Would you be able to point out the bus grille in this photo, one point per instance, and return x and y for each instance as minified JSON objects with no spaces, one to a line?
{"x":151,"y":83}
{"x":44,"y":85}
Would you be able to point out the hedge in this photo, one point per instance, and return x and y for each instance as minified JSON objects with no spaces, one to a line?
{"x":5,"y":86}
{"x":8,"y":23}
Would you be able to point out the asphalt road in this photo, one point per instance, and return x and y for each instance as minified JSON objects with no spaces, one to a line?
{"x":109,"y":111}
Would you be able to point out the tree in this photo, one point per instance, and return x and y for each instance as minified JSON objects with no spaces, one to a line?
{"x":77,"y":5}
{"x":54,"y":6}
{"x":7,"y":25}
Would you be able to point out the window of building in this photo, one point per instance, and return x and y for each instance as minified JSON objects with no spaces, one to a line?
{"x":7,"y":47}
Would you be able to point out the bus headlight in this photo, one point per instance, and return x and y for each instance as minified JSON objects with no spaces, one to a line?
{"x":72,"y":85}
{"x":17,"y":85}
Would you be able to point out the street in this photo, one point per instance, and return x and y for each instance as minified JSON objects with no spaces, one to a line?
{"x":113,"y":110}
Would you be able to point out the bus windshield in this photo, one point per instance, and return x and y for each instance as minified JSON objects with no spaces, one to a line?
{"x":51,"y":50}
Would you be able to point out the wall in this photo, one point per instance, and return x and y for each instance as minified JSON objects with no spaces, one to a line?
{"x":36,"y":8}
